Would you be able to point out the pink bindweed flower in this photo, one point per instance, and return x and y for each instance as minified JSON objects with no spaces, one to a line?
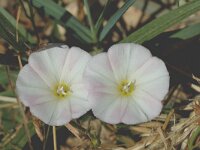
{"x":127,"y":84}
{"x":51,"y":84}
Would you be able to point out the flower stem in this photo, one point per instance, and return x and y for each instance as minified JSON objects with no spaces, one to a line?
{"x":54,"y":138}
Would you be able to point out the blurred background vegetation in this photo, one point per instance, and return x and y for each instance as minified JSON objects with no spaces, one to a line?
{"x":169,"y":28}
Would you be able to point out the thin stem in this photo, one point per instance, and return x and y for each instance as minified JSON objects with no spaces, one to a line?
{"x":19,"y":61}
{"x":31,"y":18}
{"x":92,"y":27}
{"x":93,"y":138}
{"x":54,"y":138}
{"x":46,"y":137}
{"x":17,"y":23}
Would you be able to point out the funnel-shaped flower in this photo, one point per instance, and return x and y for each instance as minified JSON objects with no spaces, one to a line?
{"x":126,"y":84}
{"x":51,"y":84}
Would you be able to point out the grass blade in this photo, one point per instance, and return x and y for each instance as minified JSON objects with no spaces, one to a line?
{"x":8,"y":31}
{"x":115,"y":18}
{"x":160,"y":24}
{"x":101,"y":17}
{"x":19,"y":140}
{"x":64,"y":18}
{"x":92,"y":28}
{"x":188,"y":32}
{"x":192,"y":139}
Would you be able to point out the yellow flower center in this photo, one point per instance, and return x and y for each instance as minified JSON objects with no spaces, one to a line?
{"x":62,"y":90}
{"x":126,"y":88}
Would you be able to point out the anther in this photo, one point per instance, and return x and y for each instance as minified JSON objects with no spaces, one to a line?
{"x":126,"y":88}
{"x":61,"y":91}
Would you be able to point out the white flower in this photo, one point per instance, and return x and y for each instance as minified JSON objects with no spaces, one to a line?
{"x":51,"y":84}
{"x":126,"y":84}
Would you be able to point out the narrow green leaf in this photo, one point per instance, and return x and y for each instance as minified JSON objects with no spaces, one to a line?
{"x":101,"y":17}
{"x":181,"y":2}
{"x":188,"y":32}
{"x":3,"y":76}
{"x":192,"y":139}
{"x":8,"y":31}
{"x":20,"y":140}
{"x":115,"y":18}
{"x":160,"y":24}
{"x":8,"y":93}
{"x":64,"y":18}
{"x":92,"y":28}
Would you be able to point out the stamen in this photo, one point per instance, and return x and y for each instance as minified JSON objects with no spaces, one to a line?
{"x":62,"y":90}
{"x":126,"y":88}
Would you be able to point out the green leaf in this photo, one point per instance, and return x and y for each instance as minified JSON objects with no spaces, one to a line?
{"x":4,"y":78}
{"x":188,"y":32}
{"x":101,"y":17}
{"x":193,"y":138}
{"x":8,"y":93}
{"x":115,"y":18}
{"x":181,"y":2}
{"x":8,"y":31}
{"x":20,"y":140}
{"x":64,"y":18}
{"x":90,"y":21}
{"x":160,"y":24}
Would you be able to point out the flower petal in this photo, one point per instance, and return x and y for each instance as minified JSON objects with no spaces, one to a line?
{"x":153,"y":69}
{"x":29,"y":78}
{"x":75,"y":64}
{"x":44,"y":111}
{"x":107,"y":107}
{"x":115,"y":111}
{"x":150,"y":106}
{"x":33,"y":96}
{"x":126,"y":58}
{"x":99,"y":75}
{"x":79,"y":100}
{"x":30,"y":86}
{"x":79,"y":106}
{"x":157,"y":88}
{"x":62,"y":113}
{"x":133,"y":114}
{"x":42,"y":64}
{"x":54,"y":113}
{"x":100,"y":101}
{"x":57,"y":56}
